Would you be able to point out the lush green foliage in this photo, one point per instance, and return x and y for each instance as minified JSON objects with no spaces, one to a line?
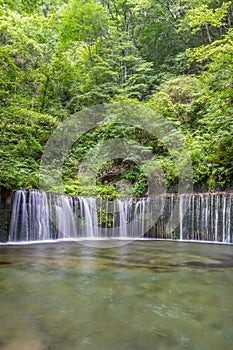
{"x":58,"y":57}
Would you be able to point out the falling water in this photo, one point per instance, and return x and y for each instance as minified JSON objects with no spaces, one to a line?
{"x":19,"y":219}
{"x":37,"y":215}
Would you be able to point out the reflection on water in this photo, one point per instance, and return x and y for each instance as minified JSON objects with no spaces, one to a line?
{"x":146,"y":295}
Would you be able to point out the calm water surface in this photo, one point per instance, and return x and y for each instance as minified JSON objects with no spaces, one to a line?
{"x":142,"y":296}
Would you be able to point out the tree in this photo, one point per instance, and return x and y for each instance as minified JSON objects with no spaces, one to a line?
{"x":61,"y":56}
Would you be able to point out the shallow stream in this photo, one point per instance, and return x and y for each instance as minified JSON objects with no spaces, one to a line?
{"x":141,"y":296}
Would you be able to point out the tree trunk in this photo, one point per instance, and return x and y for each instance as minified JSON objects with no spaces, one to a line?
{"x":208,"y":33}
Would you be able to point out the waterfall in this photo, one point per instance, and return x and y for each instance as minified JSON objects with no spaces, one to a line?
{"x":19,"y":219}
{"x":29,"y":219}
{"x":41,"y":216}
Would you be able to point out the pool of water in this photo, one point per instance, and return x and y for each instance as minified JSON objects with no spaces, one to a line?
{"x":142,"y":296}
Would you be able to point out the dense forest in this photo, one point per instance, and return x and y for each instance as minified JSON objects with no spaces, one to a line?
{"x":59,"y":57}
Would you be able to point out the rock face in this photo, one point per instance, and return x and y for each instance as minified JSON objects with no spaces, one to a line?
{"x":6,"y":197}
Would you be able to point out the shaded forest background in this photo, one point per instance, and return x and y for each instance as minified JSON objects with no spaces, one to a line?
{"x":59,"y":57}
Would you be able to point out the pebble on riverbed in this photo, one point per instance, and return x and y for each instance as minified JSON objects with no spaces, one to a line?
{"x":25,"y":344}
